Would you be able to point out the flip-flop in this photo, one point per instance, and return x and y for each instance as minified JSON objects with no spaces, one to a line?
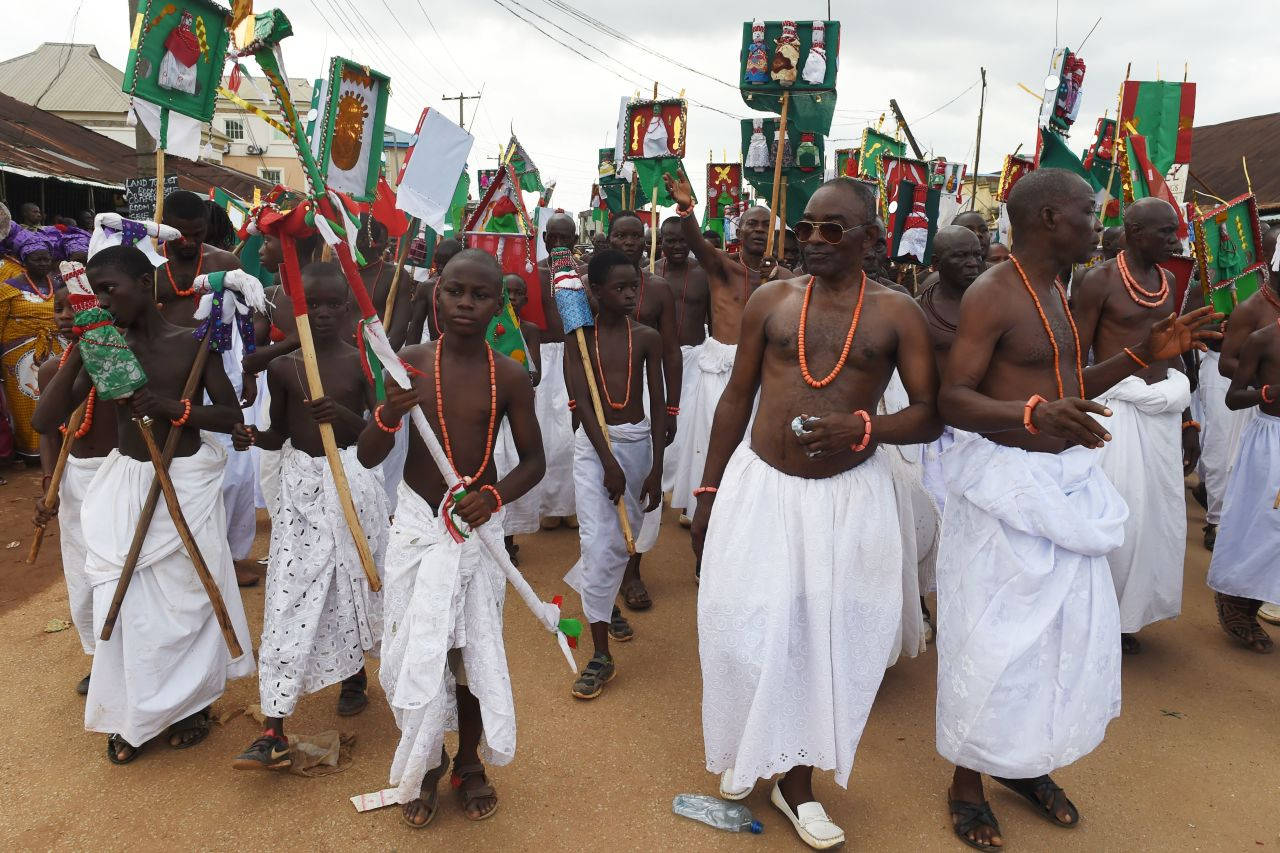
{"x":1031,"y":790}
{"x":971,"y":816}
{"x":810,"y":822}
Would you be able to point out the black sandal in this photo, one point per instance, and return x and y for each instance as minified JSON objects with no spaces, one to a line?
{"x":636,"y":595}
{"x":1043,"y":793}
{"x":619,"y":627}
{"x":970,"y":817}
{"x":354,"y":697}
{"x":470,"y":795}
{"x":114,"y":742}
{"x":432,"y":799}
{"x":198,"y":724}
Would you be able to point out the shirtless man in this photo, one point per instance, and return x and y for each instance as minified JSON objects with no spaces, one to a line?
{"x":997,"y":254}
{"x":1155,"y":442}
{"x":793,"y":639}
{"x":551,"y":399}
{"x":1113,"y":241}
{"x":977,"y":223}
{"x":1029,"y":629}
{"x":731,"y":279}
{"x":655,"y":308}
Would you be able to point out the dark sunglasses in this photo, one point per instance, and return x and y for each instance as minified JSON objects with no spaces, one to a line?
{"x":829,"y":232}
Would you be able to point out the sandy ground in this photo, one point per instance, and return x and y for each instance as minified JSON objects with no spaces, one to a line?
{"x":1188,"y":766}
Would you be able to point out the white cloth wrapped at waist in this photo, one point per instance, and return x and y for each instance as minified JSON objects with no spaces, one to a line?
{"x":1244,"y":559}
{"x":551,"y":402}
{"x":698,"y":410}
{"x":799,"y":612}
{"x":439,"y":595}
{"x":1028,"y":630}
{"x":1143,"y":460}
{"x":76,"y":477}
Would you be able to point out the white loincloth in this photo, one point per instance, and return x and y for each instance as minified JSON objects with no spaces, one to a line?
{"x":799,"y":613}
{"x":393,"y":467}
{"x":922,"y":520}
{"x":689,"y":373}
{"x":440,"y":595}
{"x":76,"y":478}
{"x":519,"y":516}
{"x":1028,"y":627}
{"x":1220,"y":432}
{"x":598,"y":573}
{"x":551,"y":402}
{"x":268,"y":460}
{"x":932,"y":475}
{"x":166,"y":658}
{"x":1143,"y":461}
{"x":1243,"y":563}
{"x":715,"y":364}
{"x":261,"y":413}
{"x":319,"y":616}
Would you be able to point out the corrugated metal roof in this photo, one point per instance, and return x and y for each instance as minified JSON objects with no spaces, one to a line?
{"x":37,"y":141}
{"x":65,"y":78}
{"x":1216,"y":150}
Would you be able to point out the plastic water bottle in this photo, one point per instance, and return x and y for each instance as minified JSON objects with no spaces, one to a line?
{"x":716,"y":812}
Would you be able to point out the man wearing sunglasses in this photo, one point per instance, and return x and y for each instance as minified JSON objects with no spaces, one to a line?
{"x":1028,"y":625}
{"x":731,"y":280}
{"x":802,"y":604}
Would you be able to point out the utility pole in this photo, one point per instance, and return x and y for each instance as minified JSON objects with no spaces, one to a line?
{"x":462,"y":100}
{"x":902,"y":122}
{"x":977,"y":145}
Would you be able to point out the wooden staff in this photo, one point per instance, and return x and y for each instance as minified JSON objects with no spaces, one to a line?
{"x":153,"y":495}
{"x":653,"y":230}
{"x":782,"y":218}
{"x":623,"y":521}
{"x":777,"y":168}
{"x":401,"y":254}
{"x":977,"y":145}
{"x":55,"y":479}
{"x":188,"y":539}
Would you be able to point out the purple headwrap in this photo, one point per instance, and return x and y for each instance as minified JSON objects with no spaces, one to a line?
{"x":73,"y":240}
{"x":25,"y":242}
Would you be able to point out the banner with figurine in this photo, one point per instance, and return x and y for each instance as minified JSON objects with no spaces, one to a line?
{"x":800,"y":57}
{"x":876,"y":146}
{"x":1062,"y":91}
{"x":656,"y":129}
{"x":352,"y":119}
{"x":1227,"y":241}
{"x":176,"y":53}
{"x":803,"y":155}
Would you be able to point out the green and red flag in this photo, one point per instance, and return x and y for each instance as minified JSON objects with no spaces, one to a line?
{"x":1145,"y":180}
{"x":1162,"y":112}
{"x":1227,"y":241}
{"x":876,"y":145}
{"x":803,"y":157}
{"x":1053,"y":153}
{"x":847,"y":162}
{"x":526,"y":172}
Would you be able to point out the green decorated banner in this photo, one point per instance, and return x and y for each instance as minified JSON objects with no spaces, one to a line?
{"x":176,"y":54}
{"x":874,"y":146}
{"x":798,"y":57}
{"x":526,"y":171}
{"x":649,"y":176}
{"x":803,"y":157}
{"x":1162,"y":112}
{"x":1226,"y":240}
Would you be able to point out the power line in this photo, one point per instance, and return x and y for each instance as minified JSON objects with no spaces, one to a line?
{"x":425,"y":57}
{"x":444,"y":45}
{"x":947,"y":104}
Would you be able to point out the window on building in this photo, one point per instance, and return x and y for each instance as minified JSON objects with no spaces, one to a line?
{"x":235,"y":129}
{"x":271,"y":176}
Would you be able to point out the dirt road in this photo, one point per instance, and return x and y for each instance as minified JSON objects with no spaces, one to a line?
{"x":1188,"y":766}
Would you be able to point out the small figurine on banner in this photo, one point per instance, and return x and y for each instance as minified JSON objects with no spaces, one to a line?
{"x":807,"y":159}
{"x":788,"y":156}
{"x":757,"y":60}
{"x":786,"y":55}
{"x":181,"y":53}
{"x":110,"y":363}
{"x":758,"y":149}
{"x":815,"y":64}
{"x":656,"y":141}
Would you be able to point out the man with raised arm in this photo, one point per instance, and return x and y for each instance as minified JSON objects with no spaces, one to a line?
{"x":1029,"y":629}
{"x":801,"y":601}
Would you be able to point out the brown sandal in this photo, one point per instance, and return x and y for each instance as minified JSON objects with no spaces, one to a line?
{"x":432,"y":799}
{"x":470,"y":795}
{"x":1239,"y":618}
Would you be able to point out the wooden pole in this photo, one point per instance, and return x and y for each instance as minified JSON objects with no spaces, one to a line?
{"x":55,"y":479}
{"x":977,"y":145}
{"x":160,"y":146}
{"x":777,"y":168}
{"x":782,"y":219}
{"x":1115,"y":144}
{"x":188,"y":539}
{"x":395,"y":278}
{"x":623,"y":521}
{"x":153,"y":496}
{"x":653,"y":232}
{"x":902,"y":123}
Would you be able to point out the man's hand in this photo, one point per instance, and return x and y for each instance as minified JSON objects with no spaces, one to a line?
{"x":1068,"y":418}
{"x":671,"y":429}
{"x":243,"y":436}
{"x":1190,"y":449}
{"x":679,"y":190}
{"x":146,"y":404}
{"x":1174,"y":335}
{"x":701,"y":515}
{"x":45,"y":514}
{"x":615,"y":480}
{"x":249,"y":392}
{"x":651,"y":491}
{"x":475,"y":508}
{"x":400,"y":401}
{"x":768,"y":268}
{"x":832,"y":434}
{"x":323,"y":409}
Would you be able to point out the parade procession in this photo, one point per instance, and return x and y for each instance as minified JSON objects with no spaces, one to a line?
{"x":875,"y":426}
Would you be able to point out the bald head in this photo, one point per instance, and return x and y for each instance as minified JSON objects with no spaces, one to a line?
{"x":958,"y":257}
{"x":1112,"y":241}
{"x":561,"y":232}
{"x":977,"y":223}
{"x":1151,"y":230}
{"x":951,"y":238}
{"x":1041,"y":190}
{"x":1054,"y":217}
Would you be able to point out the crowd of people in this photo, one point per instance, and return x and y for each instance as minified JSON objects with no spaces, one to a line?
{"x":1010,"y":431}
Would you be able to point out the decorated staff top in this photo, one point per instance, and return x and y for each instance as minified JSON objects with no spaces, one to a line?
{"x":1062,"y":91}
{"x":800,"y":57}
{"x":349,"y":132}
{"x":111,"y":365}
{"x":112,"y":229}
{"x":656,"y":129}
{"x":227,"y":300}
{"x":570,"y":294}
{"x":1228,"y":242}
{"x":176,"y":54}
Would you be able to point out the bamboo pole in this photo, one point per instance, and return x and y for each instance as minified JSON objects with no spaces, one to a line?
{"x":55,"y":479}
{"x":977,"y":145}
{"x":782,"y":219}
{"x":653,"y":230}
{"x":401,"y":254}
{"x":188,"y":539}
{"x":153,"y":496}
{"x":777,"y":168}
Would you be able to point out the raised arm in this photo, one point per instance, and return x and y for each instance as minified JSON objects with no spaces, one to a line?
{"x":711,"y":258}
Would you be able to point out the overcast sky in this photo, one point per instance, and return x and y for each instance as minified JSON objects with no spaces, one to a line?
{"x":563,"y":102}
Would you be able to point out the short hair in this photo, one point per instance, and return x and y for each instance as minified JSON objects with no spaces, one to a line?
{"x":603,"y":261}
{"x":127,"y":259}
{"x":323,"y":269}
{"x":670,"y":220}
{"x":859,"y":189}
{"x":1037,"y":189}
{"x":624,"y":214}
{"x":481,"y":257}
{"x":222,"y":232}
{"x":185,"y":205}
